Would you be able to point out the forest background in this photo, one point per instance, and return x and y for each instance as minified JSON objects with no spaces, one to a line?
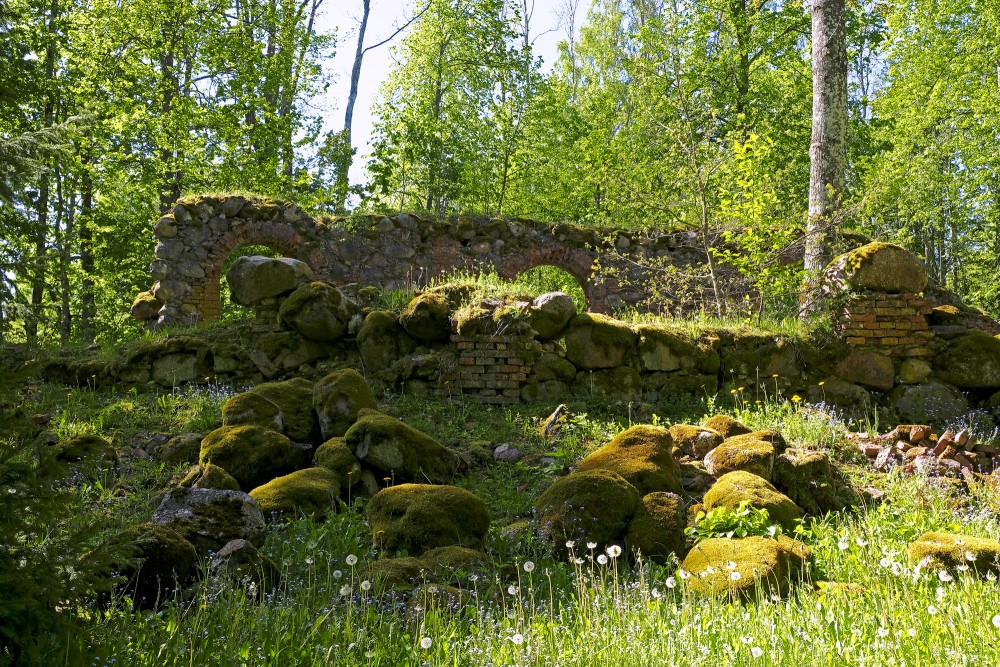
{"x":672,"y":114}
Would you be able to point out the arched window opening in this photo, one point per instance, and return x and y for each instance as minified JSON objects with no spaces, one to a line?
{"x":230,"y":310}
{"x":550,"y":278}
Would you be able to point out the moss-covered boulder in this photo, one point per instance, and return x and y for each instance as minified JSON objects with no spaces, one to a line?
{"x":746,"y":567}
{"x":382,"y":341}
{"x":811,"y":481}
{"x":661,"y":349}
{"x":695,"y":441}
{"x":643,"y":456}
{"x":145,"y":307}
{"x":152,"y":562}
{"x":336,"y":456}
{"x":971,"y":361}
{"x":427,"y":317}
{"x":547,"y":392}
{"x":210,"y":518}
{"x":208,"y":476}
{"x":318,"y":311}
{"x":755,"y":456}
{"x":587,"y":506}
{"x":867,"y":368}
{"x":182,"y":448}
{"x":550,"y":313}
{"x":726,"y":425}
{"x":596,"y":341}
{"x":399,"y":450}
{"x":736,"y":487}
{"x":951,"y":551}
{"x":240,"y":562}
{"x":414,"y":518}
{"x":312,"y":491}
{"x":252,"y":409}
{"x":337,"y":398}
{"x":930,"y":403}
{"x":878,"y":267}
{"x":394,"y":574}
{"x":295,"y":399}
{"x":551,"y":366}
{"x":455,"y":565}
{"x":254,"y":278}
{"x":283,"y":351}
{"x":87,"y":449}
{"x":767,"y":435}
{"x":251,"y":454}
{"x":657,"y":529}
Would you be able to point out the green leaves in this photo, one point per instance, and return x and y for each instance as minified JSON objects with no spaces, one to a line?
{"x":723,"y":522}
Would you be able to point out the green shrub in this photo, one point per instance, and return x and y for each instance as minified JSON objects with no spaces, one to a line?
{"x":744,"y":521}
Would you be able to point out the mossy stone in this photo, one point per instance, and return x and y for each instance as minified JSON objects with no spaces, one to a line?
{"x":255,"y":278}
{"x":87,"y":448}
{"x":950,"y":551}
{"x":454,"y":565}
{"x":414,"y":518}
{"x":657,"y":529}
{"x":546,"y":392}
{"x":767,"y":435}
{"x":252,"y":409}
{"x":337,"y":399}
{"x":182,"y":448}
{"x":595,"y":341}
{"x":388,"y":574}
{"x":642,"y":456}
{"x":251,"y":454}
{"x":735,"y":487}
{"x":145,"y":307}
{"x":399,"y":450}
{"x":695,"y":441}
{"x":878,"y":267}
{"x":621,"y":383}
{"x":726,"y":425}
{"x":930,"y":403}
{"x":382,"y":341}
{"x":240,"y":561}
{"x":317,"y":311}
{"x":867,"y":368}
{"x":336,"y":456}
{"x":811,"y":481}
{"x":661,"y":349}
{"x":971,"y":361}
{"x":427,"y":317}
{"x":765,"y":566}
{"x":756,"y":456}
{"x":587,"y":506}
{"x":210,"y":518}
{"x":295,"y":399}
{"x":312,"y":491}
{"x":158,"y":562}
{"x":551,"y":366}
{"x":550,"y":313}
{"x":208,"y":476}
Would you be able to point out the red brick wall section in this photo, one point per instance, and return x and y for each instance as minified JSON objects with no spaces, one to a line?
{"x":491,"y":369}
{"x":893,"y":324}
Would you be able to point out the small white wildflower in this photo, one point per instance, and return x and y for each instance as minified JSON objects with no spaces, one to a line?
{"x":912,"y":632}
{"x":843,"y":544}
{"x":944,"y":576}
{"x":337,"y":574}
{"x":529,"y":566}
{"x":731,"y":565}
{"x":570,"y":544}
{"x":512,"y":589}
{"x":931,"y":609}
{"x":969,"y":556}
{"x":670,"y":582}
{"x":683,"y":574}
{"x":962,"y":568}
{"x":772,"y":530}
{"x":578,"y":561}
{"x":366,"y":585}
{"x":591,"y":545}
{"x":884,"y":562}
{"x":735,"y":576}
{"x":710,"y":570}
{"x":861,"y":542}
{"x":345,"y":590}
{"x":425,"y":643}
{"x":656,"y":593}
{"x":351,"y":560}
{"x":518,"y":639}
{"x":746,"y":639}
{"x":959,"y":541}
{"x":309,"y":561}
{"x":474,"y":578}
{"x":756,"y":651}
{"x":614,"y":551}
{"x":996,"y":621}
{"x":883,"y":632}
{"x":990,"y":576}
{"x":432,"y":589}
{"x":897,"y":568}
{"x":602,"y":559}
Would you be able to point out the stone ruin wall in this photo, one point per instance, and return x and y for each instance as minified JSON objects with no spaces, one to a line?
{"x":197,"y":236}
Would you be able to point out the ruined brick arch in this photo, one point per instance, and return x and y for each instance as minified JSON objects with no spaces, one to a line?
{"x":578,"y":263}
{"x":206,"y":295}
{"x":198,"y":234}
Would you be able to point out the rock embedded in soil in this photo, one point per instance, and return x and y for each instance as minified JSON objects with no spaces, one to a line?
{"x":734,"y":488}
{"x":643,"y":456}
{"x":415,"y":518}
{"x":587,"y":506}
{"x":746,"y":568}
{"x":210,"y":518}
{"x":338,"y":398}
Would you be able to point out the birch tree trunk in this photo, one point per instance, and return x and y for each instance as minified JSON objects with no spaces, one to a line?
{"x":828,"y":150}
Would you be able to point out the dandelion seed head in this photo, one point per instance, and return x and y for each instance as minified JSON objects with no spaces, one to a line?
{"x":425,"y":643}
{"x":351,"y":560}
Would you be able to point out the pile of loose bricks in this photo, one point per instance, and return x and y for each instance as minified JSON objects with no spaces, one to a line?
{"x":893,"y":324}
{"x":916,"y":448}
{"x":491,"y":368}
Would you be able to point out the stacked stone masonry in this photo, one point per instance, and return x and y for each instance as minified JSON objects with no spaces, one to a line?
{"x":491,"y":368}
{"x":893,"y":324}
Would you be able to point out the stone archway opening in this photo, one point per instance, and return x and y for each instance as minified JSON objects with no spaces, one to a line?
{"x":543,"y":278}
{"x":229,"y":310}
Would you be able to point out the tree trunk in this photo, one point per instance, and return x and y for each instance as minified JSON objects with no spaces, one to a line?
{"x":828,"y":150}
{"x":88,"y":311}
{"x":347,"y":154}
